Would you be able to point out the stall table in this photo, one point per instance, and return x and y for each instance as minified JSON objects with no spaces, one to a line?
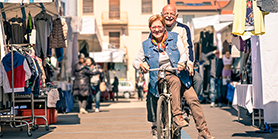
{"x":243,"y":98}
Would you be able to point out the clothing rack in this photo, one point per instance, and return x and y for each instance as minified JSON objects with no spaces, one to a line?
{"x":29,"y":98}
{"x":12,"y":119}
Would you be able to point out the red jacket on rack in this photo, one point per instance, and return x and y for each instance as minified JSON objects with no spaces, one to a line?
{"x":22,"y":72}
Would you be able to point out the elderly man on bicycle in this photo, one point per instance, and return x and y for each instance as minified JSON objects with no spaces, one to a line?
{"x":164,"y":49}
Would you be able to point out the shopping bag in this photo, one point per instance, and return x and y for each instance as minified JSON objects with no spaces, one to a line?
{"x":102,"y":86}
{"x":230,"y":92}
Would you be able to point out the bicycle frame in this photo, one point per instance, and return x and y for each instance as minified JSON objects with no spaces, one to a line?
{"x":165,"y":92}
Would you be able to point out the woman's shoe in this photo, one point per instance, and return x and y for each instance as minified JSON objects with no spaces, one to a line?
{"x":83,"y":111}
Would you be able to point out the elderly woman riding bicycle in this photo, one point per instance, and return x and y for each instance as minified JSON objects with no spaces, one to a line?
{"x":164,"y":49}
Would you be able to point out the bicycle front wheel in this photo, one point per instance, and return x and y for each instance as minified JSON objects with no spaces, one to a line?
{"x":162,"y":119}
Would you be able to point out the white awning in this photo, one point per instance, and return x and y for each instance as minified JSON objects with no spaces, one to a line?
{"x":202,"y":22}
{"x":108,"y":55}
{"x":12,"y":7}
{"x":90,"y":33}
{"x":25,"y":1}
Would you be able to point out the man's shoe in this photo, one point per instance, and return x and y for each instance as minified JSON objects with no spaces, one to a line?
{"x":97,"y":110}
{"x":154,"y":132}
{"x":178,"y":119}
{"x":212,"y":104}
{"x":205,"y":134}
{"x":220,"y":105}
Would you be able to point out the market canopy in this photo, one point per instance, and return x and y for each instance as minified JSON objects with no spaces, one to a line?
{"x":11,"y":8}
{"x":90,"y":33}
{"x":108,"y":55}
{"x":202,"y":22}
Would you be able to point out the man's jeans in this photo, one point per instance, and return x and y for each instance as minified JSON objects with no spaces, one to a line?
{"x":215,"y":83}
{"x":96,"y":95}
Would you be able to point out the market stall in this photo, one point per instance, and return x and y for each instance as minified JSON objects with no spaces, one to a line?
{"x":255,"y":21}
{"x":29,"y":31}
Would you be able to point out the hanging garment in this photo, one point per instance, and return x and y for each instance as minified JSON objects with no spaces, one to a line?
{"x":236,"y":41}
{"x":30,"y":27}
{"x":249,"y":20}
{"x":36,"y":89}
{"x":43,"y":24}
{"x":240,"y":18}
{"x":8,"y":30}
{"x":33,"y":70}
{"x":226,"y":47}
{"x":65,"y":30}
{"x":41,"y":68}
{"x":22,"y":72}
{"x":18,"y":27}
{"x":57,"y":36}
{"x":59,"y":54}
{"x":268,"y":5}
{"x":243,"y":45}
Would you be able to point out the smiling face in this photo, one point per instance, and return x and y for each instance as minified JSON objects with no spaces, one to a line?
{"x":88,"y":62}
{"x":169,"y":12}
{"x":157,"y":29}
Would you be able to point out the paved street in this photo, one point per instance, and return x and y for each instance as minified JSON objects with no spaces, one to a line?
{"x":126,"y":119}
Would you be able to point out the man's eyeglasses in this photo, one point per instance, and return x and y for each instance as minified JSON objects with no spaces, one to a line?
{"x":154,"y":27}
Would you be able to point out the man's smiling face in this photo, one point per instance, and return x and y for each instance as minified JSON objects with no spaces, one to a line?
{"x":169,"y":12}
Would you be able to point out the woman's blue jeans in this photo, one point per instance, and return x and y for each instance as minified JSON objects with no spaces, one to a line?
{"x":96,"y":96}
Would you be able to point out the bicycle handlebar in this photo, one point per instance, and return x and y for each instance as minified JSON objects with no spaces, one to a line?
{"x":160,"y":69}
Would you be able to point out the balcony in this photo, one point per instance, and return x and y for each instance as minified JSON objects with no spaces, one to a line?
{"x":114,"y":18}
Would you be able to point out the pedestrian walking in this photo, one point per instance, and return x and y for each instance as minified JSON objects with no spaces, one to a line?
{"x":95,"y":81}
{"x":115,"y":88}
{"x":216,"y":66}
{"x":81,"y":84}
{"x":140,"y":80}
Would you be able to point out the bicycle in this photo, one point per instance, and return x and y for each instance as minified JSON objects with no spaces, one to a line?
{"x":166,"y":128}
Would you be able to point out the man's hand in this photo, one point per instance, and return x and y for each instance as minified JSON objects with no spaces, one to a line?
{"x":181,"y":66}
{"x":145,"y":67}
{"x":190,"y":69}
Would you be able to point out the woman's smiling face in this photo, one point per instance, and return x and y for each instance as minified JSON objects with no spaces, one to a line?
{"x":157,"y":29}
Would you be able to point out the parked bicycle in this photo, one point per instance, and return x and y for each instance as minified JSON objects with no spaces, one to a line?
{"x":166,"y":128}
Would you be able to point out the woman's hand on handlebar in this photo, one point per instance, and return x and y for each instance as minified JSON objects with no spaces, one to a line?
{"x":145,"y":67}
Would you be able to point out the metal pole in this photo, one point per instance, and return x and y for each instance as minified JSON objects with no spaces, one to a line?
{"x":13,"y":81}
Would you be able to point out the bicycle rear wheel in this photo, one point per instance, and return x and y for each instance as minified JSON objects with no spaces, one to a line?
{"x":162,"y":119}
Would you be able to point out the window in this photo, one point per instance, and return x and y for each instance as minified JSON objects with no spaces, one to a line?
{"x":88,"y":6}
{"x":114,"y":9}
{"x":147,"y":6}
{"x":198,"y":4}
{"x":189,"y":4}
{"x":206,"y":3}
{"x":179,"y":3}
{"x":114,"y":38}
{"x":187,"y":18}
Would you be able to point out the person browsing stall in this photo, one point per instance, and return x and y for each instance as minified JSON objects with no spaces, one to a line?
{"x":166,"y":49}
